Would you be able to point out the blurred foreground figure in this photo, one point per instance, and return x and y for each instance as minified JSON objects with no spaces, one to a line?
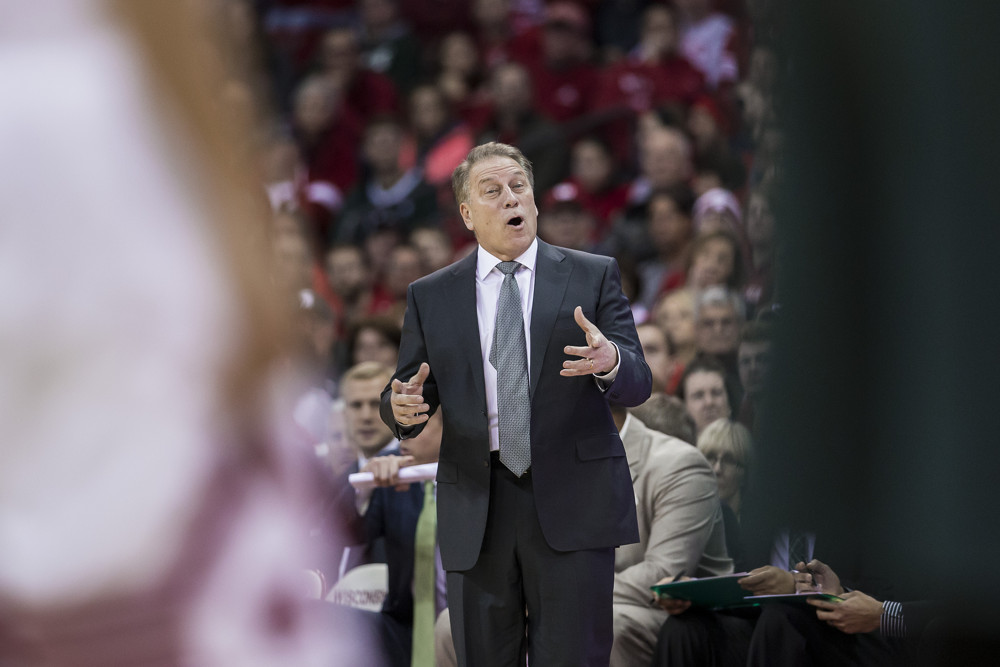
{"x":148,"y":515}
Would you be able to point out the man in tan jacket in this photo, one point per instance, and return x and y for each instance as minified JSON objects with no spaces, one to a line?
{"x":680,"y":533}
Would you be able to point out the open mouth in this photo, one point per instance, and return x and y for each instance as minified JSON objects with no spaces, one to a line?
{"x":516,"y":221}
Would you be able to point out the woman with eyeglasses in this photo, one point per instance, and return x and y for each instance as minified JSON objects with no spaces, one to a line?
{"x":727,"y":445}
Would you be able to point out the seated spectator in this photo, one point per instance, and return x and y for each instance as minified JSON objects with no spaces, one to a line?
{"x":462,"y":80}
{"x":391,"y":198}
{"x":754,"y":358}
{"x":434,"y":246}
{"x":366,"y":93}
{"x":514,"y":120}
{"x":664,"y":165}
{"x":350,"y":277}
{"x":564,"y":80}
{"x":710,"y":41}
{"x":656,"y":350}
{"x":328,"y":134}
{"x":654,"y":75}
{"x":438,"y":142}
{"x":760,"y":235}
{"x":387,"y":44}
{"x":399,"y":515}
{"x":501,"y":38}
{"x":666,"y":414}
{"x":564,"y":220}
{"x":374,"y":339}
{"x":728,"y":448}
{"x":404,"y":266}
{"x":706,"y":393}
{"x":715,"y":261}
{"x":674,"y":312}
{"x":717,"y":209}
{"x":680,"y":532}
{"x":594,"y":170}
{"x":669,"y":232}
{"x":716,"y":165}
{"x":718,"y":319}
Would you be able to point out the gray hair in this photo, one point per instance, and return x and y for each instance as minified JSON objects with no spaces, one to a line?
{"x":460,"y":177}
{"x":719,"y":296}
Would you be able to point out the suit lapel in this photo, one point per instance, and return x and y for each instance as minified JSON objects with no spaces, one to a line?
{"x":551,"y":280}
{"x":466,"y":323}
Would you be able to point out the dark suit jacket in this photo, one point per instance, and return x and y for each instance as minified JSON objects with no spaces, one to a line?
{"x":580,"y":476}
{"x":393,"y":516}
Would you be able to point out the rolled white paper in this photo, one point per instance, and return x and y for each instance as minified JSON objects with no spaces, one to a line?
{"x":408,"y":475}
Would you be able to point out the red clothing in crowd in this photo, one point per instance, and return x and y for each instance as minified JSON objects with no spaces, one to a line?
{"x":333,"y":158}
{"x":635,"y":87}
{"x":564,"y":94}
{"x":603,"y":204}
{"x":371,"y":94}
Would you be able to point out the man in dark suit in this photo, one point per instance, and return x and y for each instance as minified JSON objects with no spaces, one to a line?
{"x":392,"y":514}
{"x":527,"y":534}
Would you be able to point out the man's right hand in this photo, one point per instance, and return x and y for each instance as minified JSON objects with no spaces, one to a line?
{"x":385,"y":470}
{"x":768,"y":580}
{"x":826,"y":579}
{"x":408,"y":407}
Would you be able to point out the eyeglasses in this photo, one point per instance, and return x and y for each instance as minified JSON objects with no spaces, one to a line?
{"x":724,"y":460}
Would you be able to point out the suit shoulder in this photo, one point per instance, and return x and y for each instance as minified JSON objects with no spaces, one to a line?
{"x":587,"y":258}
{"x":675,"y":454}
{"x":445,"y":274}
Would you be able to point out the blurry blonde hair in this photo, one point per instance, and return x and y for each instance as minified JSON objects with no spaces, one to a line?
{"x":724,"y":436}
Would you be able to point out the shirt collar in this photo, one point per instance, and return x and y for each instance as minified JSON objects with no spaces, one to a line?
{"x":486,"y":261}
{"x":628,"y":422}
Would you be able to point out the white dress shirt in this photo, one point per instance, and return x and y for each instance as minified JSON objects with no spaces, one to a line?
{"x":488,"y":282}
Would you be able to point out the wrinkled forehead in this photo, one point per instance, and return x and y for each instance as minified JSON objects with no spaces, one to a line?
{"x":495,"y":169}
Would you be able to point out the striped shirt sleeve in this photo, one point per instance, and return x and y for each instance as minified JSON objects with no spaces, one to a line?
{"x":892,"y":623}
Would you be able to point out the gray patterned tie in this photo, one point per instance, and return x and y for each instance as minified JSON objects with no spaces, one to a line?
{"x":509,"y":356}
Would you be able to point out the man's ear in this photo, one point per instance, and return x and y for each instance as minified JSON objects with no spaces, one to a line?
{"x":466,"y":214}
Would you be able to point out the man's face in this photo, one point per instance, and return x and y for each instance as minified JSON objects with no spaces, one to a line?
{"x":676,"y":317}
{"x":654,"y":349}
{"x":717,"y":330}
{"x":669,"y":228}
{"x":404,"y":267}
{"x":713,"y":265}
{"x":425,"y":447}
{"x":365,"y":429}
{"x":346,"y":272}
{"x":754,"y":359}
{"x":705,"y":398}
{"x":665,"y":158}
{"x":501,"y":208}
{"x":568,"y":227}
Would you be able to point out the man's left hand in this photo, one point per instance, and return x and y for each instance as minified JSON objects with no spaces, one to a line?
{"x":857,"y":613}
{"x":598,"y":357}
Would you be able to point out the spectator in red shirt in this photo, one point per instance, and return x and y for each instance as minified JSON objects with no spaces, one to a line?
{"x":437,"y":142}
{"x":366,"y":93}
{"x":564,"y":79}
{"x":388,"y":45}
{"x":350,"y":278}
{"x":565,"y":221}
{"x":328,"y":134}
{"x":654,"y":75}
{"x":670,"y":233}
{"x":594,"y":170}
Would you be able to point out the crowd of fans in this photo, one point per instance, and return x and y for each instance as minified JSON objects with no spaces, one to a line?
{"x":653,"y":135}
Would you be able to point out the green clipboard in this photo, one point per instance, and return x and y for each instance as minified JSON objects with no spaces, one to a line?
{"x":790,"y":598}
{"x":710,"y":592}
